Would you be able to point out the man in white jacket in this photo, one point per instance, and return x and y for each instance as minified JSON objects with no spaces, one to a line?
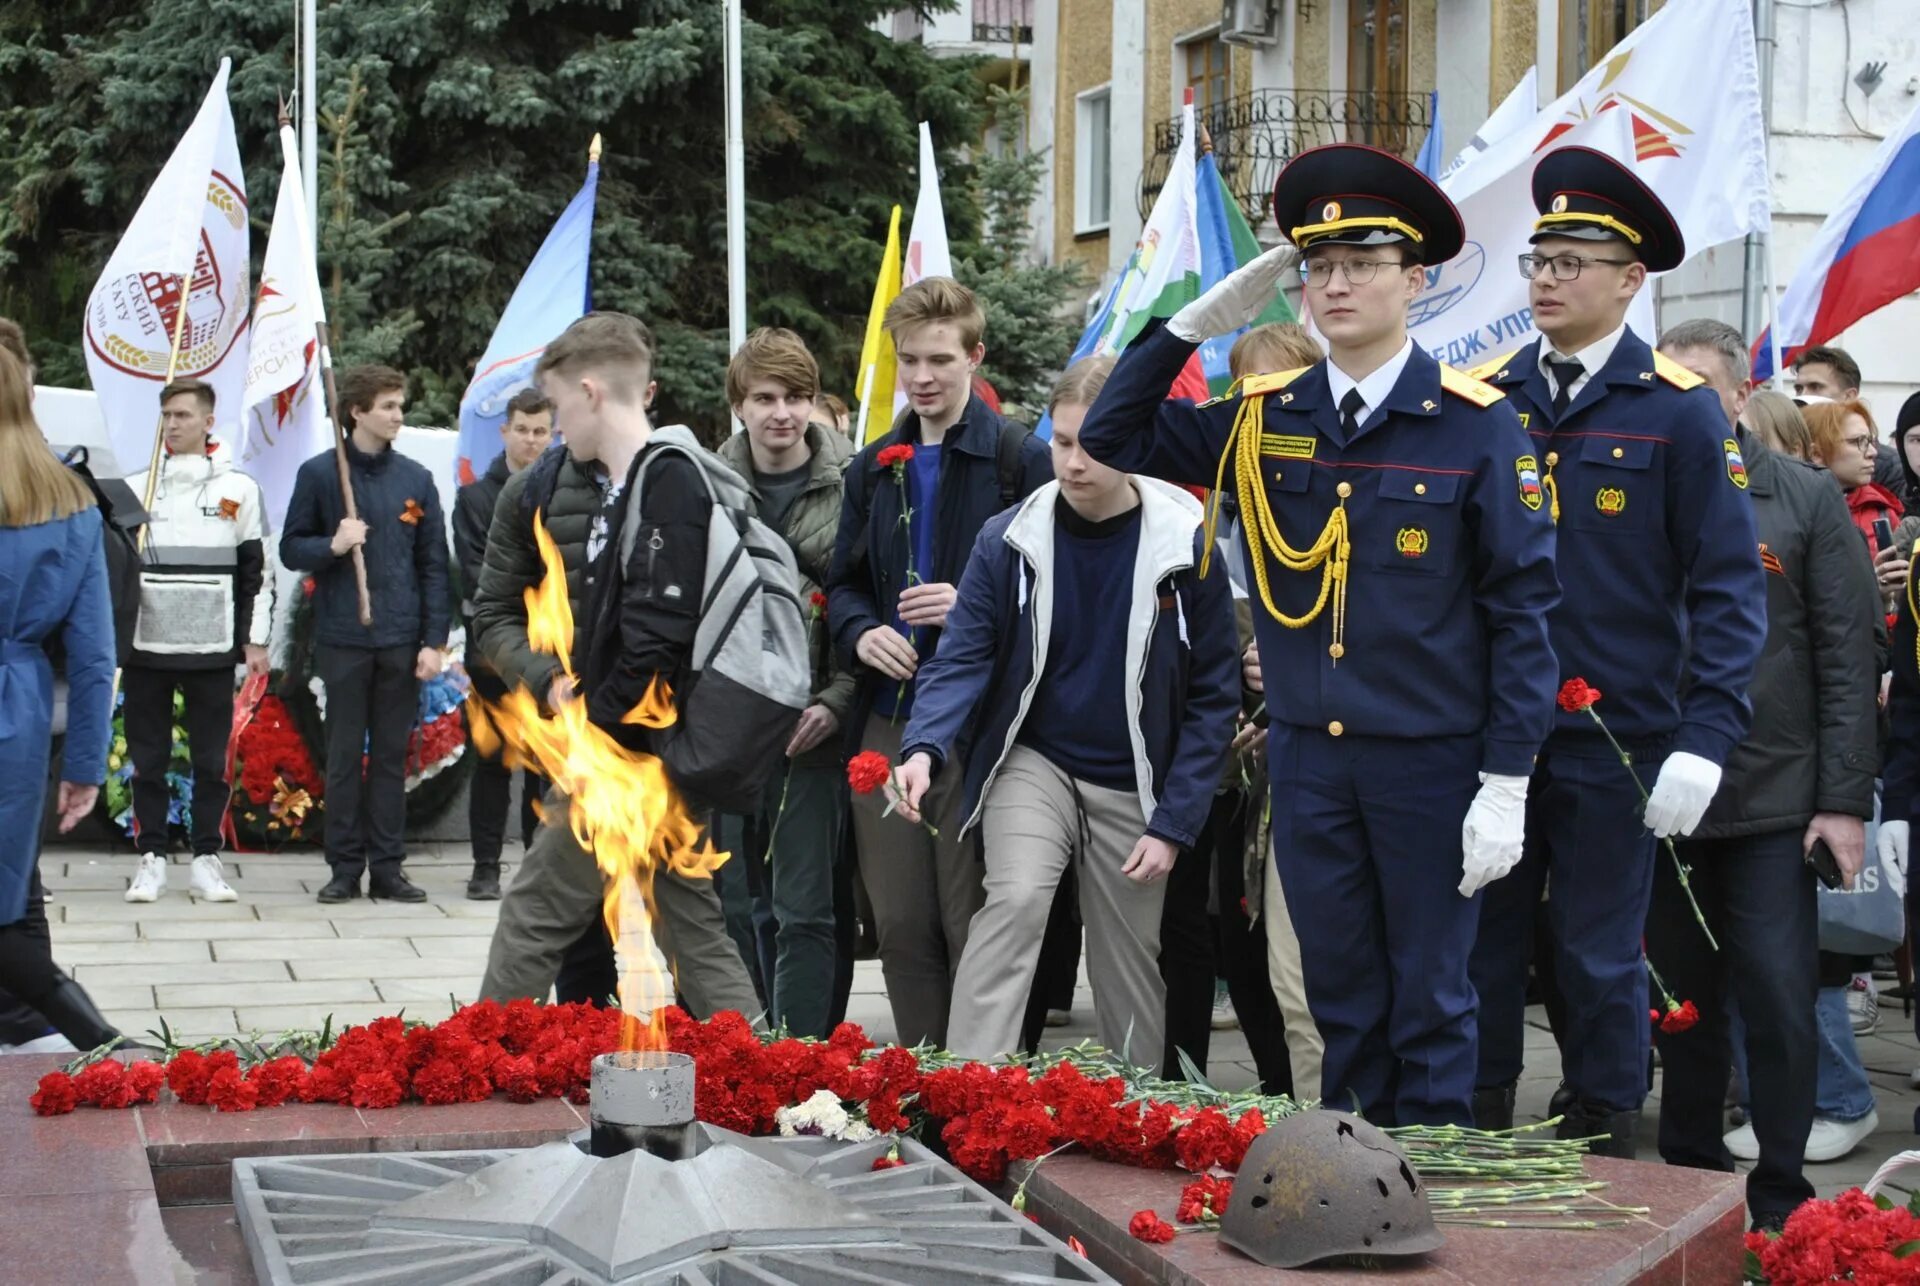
{"x":206,"y":604}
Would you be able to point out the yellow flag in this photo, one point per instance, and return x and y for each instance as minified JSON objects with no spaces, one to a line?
{"x":874,"y":384}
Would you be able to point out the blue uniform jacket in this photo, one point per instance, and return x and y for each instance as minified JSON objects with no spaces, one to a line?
{"x":1181,"y":649}
{"x":406,"y":550}
{"x":1452,"y":561}
{"x":54,"y":586}
{"x":1657,"y":547}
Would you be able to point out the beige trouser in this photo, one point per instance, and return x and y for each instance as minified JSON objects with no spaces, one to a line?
{"x":924,"y":891}
{"x":1038,"y":820}
{"x":559,"y":890}
{"x":1304,"y":1046}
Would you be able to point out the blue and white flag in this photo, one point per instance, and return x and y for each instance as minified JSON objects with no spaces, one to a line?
{"x":552,"y":295}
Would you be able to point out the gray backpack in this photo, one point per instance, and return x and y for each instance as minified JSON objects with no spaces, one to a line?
{"x":749,"y":676}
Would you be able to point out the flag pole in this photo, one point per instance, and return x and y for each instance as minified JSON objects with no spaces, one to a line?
{"x":183,"y":281}
{"x":325,"y":355}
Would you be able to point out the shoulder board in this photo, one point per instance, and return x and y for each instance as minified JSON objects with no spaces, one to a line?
{"x":1258,"y":385}
{"x":1461,"y":384}
{"x":1674,"y":373}
{"x":1493,"y":368}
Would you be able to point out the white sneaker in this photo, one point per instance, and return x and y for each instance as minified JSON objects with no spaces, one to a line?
{"x":1863,"y":1007}
{"x":1224,"y":1018}
{"x":1743,"y":1144}
{"x":150,"y":881}
{"x":209,"y":882}
{"x":1831,"y":1140}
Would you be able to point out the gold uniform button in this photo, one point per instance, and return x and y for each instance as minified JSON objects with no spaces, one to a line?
{"x":1419,"y":488}
{"x":1343,"y":490}
{"x":1337,"y":650}
{"x":1553,"y":458}
{"x":1618,"y":452}
{"x":1276,"y":475}
{"x":1334,"y":729}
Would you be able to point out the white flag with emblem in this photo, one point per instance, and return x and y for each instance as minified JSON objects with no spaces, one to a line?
{"x":186,"y":250}
{"x":286,"y":417}
{"x":1689,"y":126}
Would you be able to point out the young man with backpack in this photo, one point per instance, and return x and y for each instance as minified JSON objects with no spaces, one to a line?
{"x":795,"y":467}
{"x":650,"y":614}
{"x":206,"y":605}
{"x":915,"y":501}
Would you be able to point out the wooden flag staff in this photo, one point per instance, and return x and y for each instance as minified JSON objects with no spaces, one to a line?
{"x":325,"y":356}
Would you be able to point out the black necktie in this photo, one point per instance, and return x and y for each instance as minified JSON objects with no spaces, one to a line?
{"x":1565,"y":371}
{"x":1350,"y":408}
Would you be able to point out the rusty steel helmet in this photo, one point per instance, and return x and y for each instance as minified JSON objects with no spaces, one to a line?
{"x":1321,"y":1183}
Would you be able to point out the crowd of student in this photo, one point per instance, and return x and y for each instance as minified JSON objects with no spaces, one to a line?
{"x":1255,"y":696}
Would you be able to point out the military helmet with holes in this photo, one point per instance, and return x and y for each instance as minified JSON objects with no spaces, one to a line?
{"x":1320,"y":1184}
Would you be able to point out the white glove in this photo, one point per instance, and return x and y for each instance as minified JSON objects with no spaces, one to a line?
{"x":1236,"y":299}
{"x":1892,"y":847}
{"x":1681,"y":795}
{"x":1495,"y":832}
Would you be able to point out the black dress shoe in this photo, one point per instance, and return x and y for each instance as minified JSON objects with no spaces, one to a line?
{"x":1562,"y":1101}
{"x":1493,"y":1108}
{"x":485,"y":884}
{"x":341,"y":888}
{"x":395,"y":888}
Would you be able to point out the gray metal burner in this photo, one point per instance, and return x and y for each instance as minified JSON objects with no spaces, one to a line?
{"x":735,"y":1210}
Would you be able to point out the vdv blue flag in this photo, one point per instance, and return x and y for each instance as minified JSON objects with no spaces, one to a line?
{"x":1217,"y":259}
{"x":551,"y":296}
{"x":1433,"y":154}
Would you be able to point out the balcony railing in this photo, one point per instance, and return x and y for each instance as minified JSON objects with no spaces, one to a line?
{"x":1255,"y":134}
{"x":1003,"y":22}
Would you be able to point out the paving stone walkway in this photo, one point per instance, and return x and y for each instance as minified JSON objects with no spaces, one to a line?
{"x":278,"y":959}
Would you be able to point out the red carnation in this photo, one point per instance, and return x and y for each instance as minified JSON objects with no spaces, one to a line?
{"x":1679,"y":1018}
{"x":894,"y":457}
{"x":103,"y":1084}
{"x":231,"y":1092}
{"x":1207,"y":1141}
{"x":1205,"y":1198}
{"x":375,"y":1090}
{"x":887,"y":1162}
{"x":868,"y":771}
{"x":1576,"y":696}
{"x":277,"y":1081}
{"x":1150,"y":1227}
{"x":144,"y":1080}
{"x":56,"y":1096}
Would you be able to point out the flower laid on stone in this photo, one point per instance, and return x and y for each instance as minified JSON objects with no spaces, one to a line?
{"x":1852,"y":1238}
{"x":824,"y":1116}
{"x":1204,"y":1200}
{"x":1150,"y":1227}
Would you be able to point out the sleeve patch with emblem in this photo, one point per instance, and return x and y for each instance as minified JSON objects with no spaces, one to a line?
{"x":1528,"y":470}
{"x":1736,"y":467}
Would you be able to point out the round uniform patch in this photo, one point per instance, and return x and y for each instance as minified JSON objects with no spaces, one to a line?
{"x":1736,"y":467}
{"x":1528,"y":470}
{"x":1330,"y":212}
{"x":1411,"y":542}
{"x":1560,"y":204}
{"x":1611,"y":501}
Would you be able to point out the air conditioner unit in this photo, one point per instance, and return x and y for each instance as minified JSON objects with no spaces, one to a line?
{"x":1249,"y":22}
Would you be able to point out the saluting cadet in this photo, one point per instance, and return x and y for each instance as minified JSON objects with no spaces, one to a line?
{"x":1664,"y":612}
{"x":1401,"y":581}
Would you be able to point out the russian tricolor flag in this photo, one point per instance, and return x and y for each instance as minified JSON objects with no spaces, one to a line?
{"x":1866,"y":255}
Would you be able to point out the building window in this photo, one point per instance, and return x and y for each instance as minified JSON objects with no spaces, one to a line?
{"x":1092,"y":159}
{"x":1206,"y":73}
{"x":1589,"y":28}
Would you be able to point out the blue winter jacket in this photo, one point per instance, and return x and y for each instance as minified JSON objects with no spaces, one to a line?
{"x":1181,"y":644}
{"x":53,"y":582}
{"x":406,"y":550}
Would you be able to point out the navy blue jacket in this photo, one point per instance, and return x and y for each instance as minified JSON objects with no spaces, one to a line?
{"x":1665,"y":610}
{"x":1182,"y":645}
{"x":406,"y":550}
{"x":1452,"y":571}
{"x":866,"y":576}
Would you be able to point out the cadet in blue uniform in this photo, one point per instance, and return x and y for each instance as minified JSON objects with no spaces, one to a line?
{"x":1664,"y":611}
{"x":1401,"y":582}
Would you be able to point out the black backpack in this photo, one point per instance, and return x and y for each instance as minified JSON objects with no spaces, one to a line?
{"x":122,"y":517}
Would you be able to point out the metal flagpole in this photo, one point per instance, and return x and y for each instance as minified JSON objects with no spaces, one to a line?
{"x":736,"y":191}
{"x":309,"y":137}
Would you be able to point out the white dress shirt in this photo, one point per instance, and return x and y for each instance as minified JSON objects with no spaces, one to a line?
{"x":1375,"y":388}
{"x":1591,"y":358}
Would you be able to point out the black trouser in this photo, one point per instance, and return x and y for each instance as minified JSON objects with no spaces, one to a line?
{"x":490,"y":794}
{"x":1243,"y":946}
{"x":207,"y":696}
{"x":1186,"y":960}
{"x":588,"y":973}
{"x":1757,"y":894}
{"x":27,"y":970}
{"x":372,"y":703}
{"x":19,"y":1021}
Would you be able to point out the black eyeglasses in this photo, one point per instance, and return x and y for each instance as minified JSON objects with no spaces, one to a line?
{"x":1358,"y":272}
{"x":1565,"y":267}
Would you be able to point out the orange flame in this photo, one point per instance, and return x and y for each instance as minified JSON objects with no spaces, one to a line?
{"x":619,"y":803}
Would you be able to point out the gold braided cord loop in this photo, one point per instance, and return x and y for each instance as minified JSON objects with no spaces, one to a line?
{"x":1913,"y":614}
{"x":1330,"y":551}
{"x":1553,"y":495}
